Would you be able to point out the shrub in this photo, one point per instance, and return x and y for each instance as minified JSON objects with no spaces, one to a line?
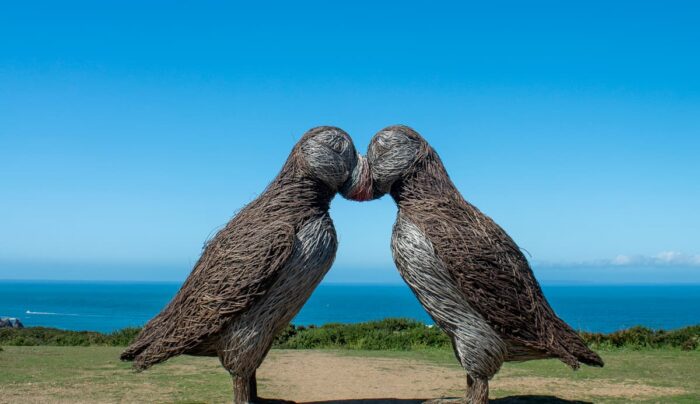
{"x":641,"y":337}
{"x":389,"y":334}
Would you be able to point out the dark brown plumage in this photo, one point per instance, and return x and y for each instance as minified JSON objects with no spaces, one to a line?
{"x":482,"y":261}
{"x":272,"y":253}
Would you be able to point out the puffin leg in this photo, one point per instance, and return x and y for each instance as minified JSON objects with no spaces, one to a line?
{"x":241,"y":390}
{"x":477,"y":390}
{"x":253,"y":397}
{"x":253,"y":389}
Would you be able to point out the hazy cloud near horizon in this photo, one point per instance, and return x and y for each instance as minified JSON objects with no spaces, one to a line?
{"x":662,"y":259}
{"x":601,"y":272}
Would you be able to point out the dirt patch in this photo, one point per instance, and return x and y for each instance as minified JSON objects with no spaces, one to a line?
{"x":315,"y":376}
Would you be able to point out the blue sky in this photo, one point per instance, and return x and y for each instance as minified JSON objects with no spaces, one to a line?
{"x":130,"y":132}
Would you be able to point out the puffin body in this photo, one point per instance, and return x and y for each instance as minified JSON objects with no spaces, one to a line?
{"x":245,"y":342}
{"x":468,"y":274}
{"x":477,"y":346}
{"x":257,"y":272}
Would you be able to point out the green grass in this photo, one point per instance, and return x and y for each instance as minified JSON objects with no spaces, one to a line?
{"x":94,"y":374}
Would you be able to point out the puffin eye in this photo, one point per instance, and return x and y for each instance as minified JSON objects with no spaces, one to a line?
{"x":337,"y":146}
{"x":380,"y":147}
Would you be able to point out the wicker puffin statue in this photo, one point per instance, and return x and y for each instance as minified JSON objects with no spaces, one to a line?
{"x":256,"y":273}
{"x":468,"y":274}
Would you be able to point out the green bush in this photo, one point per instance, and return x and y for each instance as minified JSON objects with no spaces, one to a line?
{"x":389,"y":334}
{"x":52,"y":336}
{"x":638,"y":337}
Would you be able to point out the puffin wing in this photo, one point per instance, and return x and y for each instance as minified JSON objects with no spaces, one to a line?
{"x":497,"y":281}
{"x":236,"y":268}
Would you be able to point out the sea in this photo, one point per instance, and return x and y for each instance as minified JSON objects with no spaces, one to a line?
{"x":108,"y":306}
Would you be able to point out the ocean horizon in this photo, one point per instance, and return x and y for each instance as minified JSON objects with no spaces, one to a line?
{"x":106,"y":306}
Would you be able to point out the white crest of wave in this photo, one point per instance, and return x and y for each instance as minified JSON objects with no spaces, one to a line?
{"x":48,"y":313}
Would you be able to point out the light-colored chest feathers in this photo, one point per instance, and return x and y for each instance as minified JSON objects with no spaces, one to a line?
{"x":477,"y":346}
{"x":249,"y":337}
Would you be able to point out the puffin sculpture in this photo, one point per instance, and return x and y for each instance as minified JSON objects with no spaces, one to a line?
{"x":468,"y":274}
{"x":256,"y":273}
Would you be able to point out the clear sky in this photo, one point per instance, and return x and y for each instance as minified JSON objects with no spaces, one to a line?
{"x":129,"y":132}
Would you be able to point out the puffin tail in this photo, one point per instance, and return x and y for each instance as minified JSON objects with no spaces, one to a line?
{"x":135,"y":351}
{"x":571,"y":349}
{"x":591,"y":358}
{"x":146,"y":354}
{"x":142,"y":343}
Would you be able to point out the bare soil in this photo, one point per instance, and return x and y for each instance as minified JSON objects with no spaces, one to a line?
{"x":311,"y":376}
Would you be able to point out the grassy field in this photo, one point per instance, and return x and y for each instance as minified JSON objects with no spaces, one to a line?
{"x":94,"y":374}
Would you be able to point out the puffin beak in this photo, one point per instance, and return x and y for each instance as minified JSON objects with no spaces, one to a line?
{"x":359,"y":185}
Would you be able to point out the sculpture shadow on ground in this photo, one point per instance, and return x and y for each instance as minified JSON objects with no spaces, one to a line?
{"x":527,"y":399}
{"x":524,"y":399}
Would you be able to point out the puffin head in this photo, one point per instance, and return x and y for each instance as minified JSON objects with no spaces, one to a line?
{"x":391,"y":154}
{"x":328,"y":154}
